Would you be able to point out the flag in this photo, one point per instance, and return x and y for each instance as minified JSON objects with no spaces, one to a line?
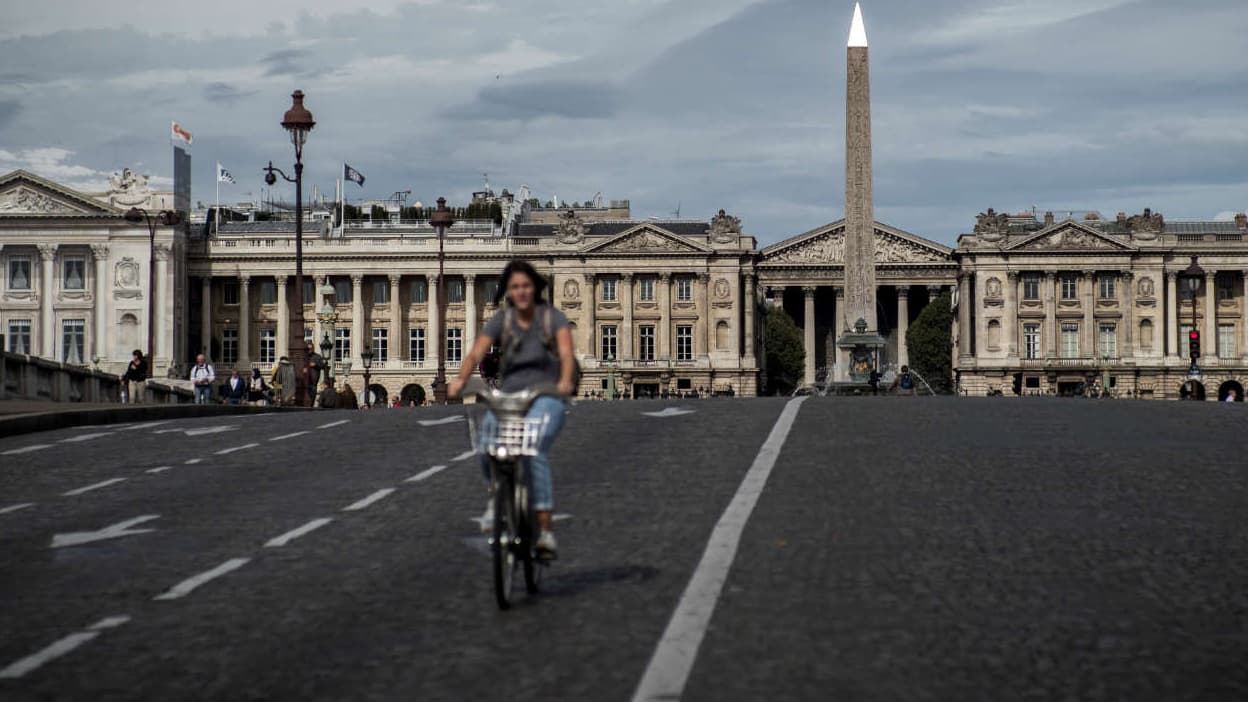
{"x":223,"y":176}
{"x":349,"y":173}
{"x":180,"y":134}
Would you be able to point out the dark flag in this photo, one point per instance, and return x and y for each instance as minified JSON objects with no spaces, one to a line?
{"x":349,"y":173}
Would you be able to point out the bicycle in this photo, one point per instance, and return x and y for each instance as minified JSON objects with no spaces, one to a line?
{"x":509,"y":443}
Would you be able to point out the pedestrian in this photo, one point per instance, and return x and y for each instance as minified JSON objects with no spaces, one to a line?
{"x":1231,"y":395}
{"x":202,"y":377}
{"x":235,"y":389}
{"x":257,"y":391}
{"x":284,"y":381}
{"x":135,"y":378}
{"x":347,"y":399}
{"x":316,"y":366}
{"x":904,"y":383}
{"x":874,"y":381}
{"x":328,"y":399}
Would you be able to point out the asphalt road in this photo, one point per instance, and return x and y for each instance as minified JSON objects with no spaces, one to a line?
{"x":900,"y":549}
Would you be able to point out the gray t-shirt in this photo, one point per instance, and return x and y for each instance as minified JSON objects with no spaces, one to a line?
{"x":531,"y":363}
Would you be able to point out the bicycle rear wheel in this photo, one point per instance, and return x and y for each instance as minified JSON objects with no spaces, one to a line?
{"x":504,"y":537}
{"x":528,"y":530}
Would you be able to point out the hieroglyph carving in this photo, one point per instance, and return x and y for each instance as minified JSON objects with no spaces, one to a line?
{"x":725,"y":228}
{"x":27,"y":201}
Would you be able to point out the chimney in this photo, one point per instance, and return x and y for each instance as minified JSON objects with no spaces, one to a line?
{"x":1122,"y":217}
{"x":1148,"y":212}
{"x":1241,"y":220}
{"x":1048,"y":219}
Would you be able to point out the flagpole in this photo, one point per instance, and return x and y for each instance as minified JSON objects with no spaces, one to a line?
{"x":217,"y":211}
{"x":343,"y":204}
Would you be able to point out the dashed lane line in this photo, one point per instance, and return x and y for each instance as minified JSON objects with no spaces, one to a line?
{"x":193,"y":461}
{"x":25,"y":449}
{"x":226,"y":452}
{"x":338,"y":423}
{"x":362,"y":504}
{"x":14,"y":508}
{"x":189,"y":585}
{"x":96,"y":486}
{"x":158,"y":469}
{"x":668,"y":670}
{"x":283,"y":437}
{"x":297,"y":532}
{"x":85,"y":437}
{"x":144,"y":425}
{"x":61,"y":647}
{"x":463,"y":456}
{"x":425,"y":474}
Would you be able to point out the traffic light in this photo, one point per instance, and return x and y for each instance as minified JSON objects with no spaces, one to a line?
{"x":1193,"y":344}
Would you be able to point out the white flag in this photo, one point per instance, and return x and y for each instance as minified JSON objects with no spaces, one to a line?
{"x":223,"y":176}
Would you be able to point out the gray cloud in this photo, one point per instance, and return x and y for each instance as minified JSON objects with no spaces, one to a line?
{"x":224,"y":92}
{"x":526,"y":101}
{"x":8,"y":112}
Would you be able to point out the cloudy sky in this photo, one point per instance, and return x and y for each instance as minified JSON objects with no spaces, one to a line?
{"x":1058,"y":104}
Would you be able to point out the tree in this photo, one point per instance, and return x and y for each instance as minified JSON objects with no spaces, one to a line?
{"x":930,"y":343}
{"x":786,"y":357}
{"x":378,"y":213}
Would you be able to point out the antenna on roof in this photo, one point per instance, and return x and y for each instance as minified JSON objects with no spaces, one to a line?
{"x":676,"y":214}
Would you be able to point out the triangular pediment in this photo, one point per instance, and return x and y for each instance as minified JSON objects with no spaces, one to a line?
{"x":826,"y":246}
{"x":647,"y":238}
{"x":24,"y":194}
{"x":1069,"y":236}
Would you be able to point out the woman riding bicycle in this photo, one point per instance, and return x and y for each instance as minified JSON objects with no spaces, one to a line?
{"x":536,"y":349}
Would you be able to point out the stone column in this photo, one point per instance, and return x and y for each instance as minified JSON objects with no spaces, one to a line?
{"x":433,"y":342}
{"x":1210,"y":347}
{"x":163,"y":301}
{"x":748,"y":303}
{"x":1089,"y":349}
{"x":842,"y":358}
{"x":626,"y":303}
{"x":1243,"y":316}
{"x":591,"y":315}
{"x":1050,"y":313}
{"x":808,"y":333}
{"x":964,"y":314}
{"x":1172,"y":314}
{"x":283,"y":319}
{"x":205,"y":315}
{"x":1011,"y":330}
{"x":1126,"y":340}
{"x":397,"y":342}
{"x":470,"y":311}
{"x":664,"y":332}
{"x":358,"y":328}
{"x":47,"y":313}
{"x":903,"y":324}
{"x":244,"y":322}
{"x":703,"y":331}
{"x":99,"y":253}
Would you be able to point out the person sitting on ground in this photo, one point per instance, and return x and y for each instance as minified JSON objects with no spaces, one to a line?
{"x":903,"y":384}
{"x":328,"y":399}
{"x":235,"y":389}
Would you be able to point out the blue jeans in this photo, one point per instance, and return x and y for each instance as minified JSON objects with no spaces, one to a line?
{"x":541,"y":490}
{"x":203,"y":393}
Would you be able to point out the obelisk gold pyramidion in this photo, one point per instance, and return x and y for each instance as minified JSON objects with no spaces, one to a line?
{"x":859,"y":210}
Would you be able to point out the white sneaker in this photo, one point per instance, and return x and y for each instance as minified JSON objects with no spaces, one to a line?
{"x":547,"y":547}
{"x":487,"y":519}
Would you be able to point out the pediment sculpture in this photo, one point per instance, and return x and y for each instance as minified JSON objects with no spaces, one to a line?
{"x":26,"y":201}
{"x":725,"y":228}
{"x":646,"y":240}
{"x":570,"y":229}
{"x":1070,"y":238}
{"x":992,"y":226}
{"x":891,"y":249}
{"x":825,"y":249}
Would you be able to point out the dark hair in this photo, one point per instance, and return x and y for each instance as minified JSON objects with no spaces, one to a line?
{"x":525,"y":268}
{"x":138,"y":353}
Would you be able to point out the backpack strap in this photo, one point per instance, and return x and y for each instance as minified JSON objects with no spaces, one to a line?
{"x":548,"y":334}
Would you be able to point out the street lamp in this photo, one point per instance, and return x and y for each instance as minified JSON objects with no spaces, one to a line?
{"x":298,"y":121}
{"x":1190,"y":279}
{"x":441,"y":219}
{"x":167,"y":218}
{"x":366,"y":356}
{"x":328,"y":317}
{"x":609,"y":362}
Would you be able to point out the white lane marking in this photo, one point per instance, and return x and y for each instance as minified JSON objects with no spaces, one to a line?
{"x":445,"y":420}
{"x":185,"y":587}
{"x":14,"y":508}
{"x":225,"y":452}
{"x":424,"y":474}
{"x":114,"y":531}
{"x":297,"y":532}
{"x":673,"y":658}
{"x":464,"y":455}
{"x":288,"y":436}
{"x":560,"y":517}
{"x":338,"y":423}
{"x":26,"y":449}
{"x":670,"y":412}
{"x":197,"y":432}
{"x":55,"y":650}
{"x":192,"y":461}
{"x":145,"y":425}
{"x":89,"y":488}
{"x":158,"y":469}
{"x":85,"y":437}
{"x":109,"y":623}
{"x":379,"y":495}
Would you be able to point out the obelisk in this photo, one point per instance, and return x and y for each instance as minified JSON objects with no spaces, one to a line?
{"x":859,"y":210}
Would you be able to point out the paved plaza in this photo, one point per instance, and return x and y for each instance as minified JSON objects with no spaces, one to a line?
{"x":900,"y":549}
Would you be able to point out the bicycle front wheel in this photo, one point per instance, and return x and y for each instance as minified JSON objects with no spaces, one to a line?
{"x":504,"y":536}
{"x":528,"y":529}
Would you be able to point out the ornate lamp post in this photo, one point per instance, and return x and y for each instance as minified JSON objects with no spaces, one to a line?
{"x":298,"y":121}
{"x":441,"y":219}
{"x":609,"y":362}
{"x":167,"y":218}
{"x":1190,"y":280}
{"x":328,"y":317}
{"x":366,"y":356}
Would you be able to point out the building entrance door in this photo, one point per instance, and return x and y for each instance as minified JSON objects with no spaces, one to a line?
{"x":641,"y":390}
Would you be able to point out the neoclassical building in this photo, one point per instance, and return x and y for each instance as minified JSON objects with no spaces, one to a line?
{"x":1047,"y":305}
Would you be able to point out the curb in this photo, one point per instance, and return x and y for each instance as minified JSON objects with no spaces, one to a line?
{"x":13,"y":425}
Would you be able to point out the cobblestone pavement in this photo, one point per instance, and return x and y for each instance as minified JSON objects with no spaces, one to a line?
{"x":901,"y":549}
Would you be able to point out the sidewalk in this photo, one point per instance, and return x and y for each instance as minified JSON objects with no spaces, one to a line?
{"x":28,"y":416}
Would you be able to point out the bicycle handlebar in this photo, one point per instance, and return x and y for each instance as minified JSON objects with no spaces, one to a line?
{"x":509,"y":402}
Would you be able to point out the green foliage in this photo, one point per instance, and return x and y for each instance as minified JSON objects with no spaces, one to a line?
{"x":264,"y":216}
{"x":930,"y":344}
{"x":786,"y":357}
{"x":379,"y":214}
{"x":534,"y":202}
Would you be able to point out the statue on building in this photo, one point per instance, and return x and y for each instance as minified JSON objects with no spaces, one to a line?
{"x":570,"y":229}
{"x":725,"y":228}
{"x":1147,"y":225}
{"x":992,"y":226}
{"x":128,"y":189}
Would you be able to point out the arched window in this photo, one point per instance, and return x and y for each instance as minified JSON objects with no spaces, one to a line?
{"x":723,"y":336}
{"x":1146,"y":334}
{"x":994,"y":335}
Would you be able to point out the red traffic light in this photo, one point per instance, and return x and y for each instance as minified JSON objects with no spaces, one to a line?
{"x":1194,"y":335}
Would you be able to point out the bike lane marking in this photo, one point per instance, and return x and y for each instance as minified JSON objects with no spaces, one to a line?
{"x":669,"y":667}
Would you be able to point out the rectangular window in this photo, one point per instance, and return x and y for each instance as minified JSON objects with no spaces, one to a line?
{"x":454,"y":345}
{"x":74,"y":272}
{"x":684,"y":343}
{"x":420,"y":292}
{"x":1108,"y":340}
{"x":381,"y":292}
{"x":1226,"y":287}
{"x":1108,"y":290}
{"x":307,"y":335}
{"x":1070,"y":340}
{"x":609,"y":342}
{"x":229,"y":292}
{"x":19,"y":273}
{"x":342,"y":345}
{"x":268,"y":292}
{"x":490,"y":291}
{"x":1226,"y":341}
{"x":74,"y":341}
{"x":19,"y":336}
{"x":608,"y":290}
{"x":1070,"y":287}
{"x":684,"y":289}
{"x":1031,"y":340}
{"x":268,"y":345}
{"x":645,"y":291}
{"x":645,"y":343}
{"x":1031,"y":286}
{"x":455,"y":291}
{"x":381,"y":345}
{"x":309,"y":291}
{"x":416,"y":344}
{"x":229,"y":346}
{"x":342,"y":292}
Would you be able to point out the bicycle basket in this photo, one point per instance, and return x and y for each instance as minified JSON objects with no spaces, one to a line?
{"x":508,"y":438}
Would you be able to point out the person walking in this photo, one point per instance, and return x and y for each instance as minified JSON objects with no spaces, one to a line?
{"x":135,"y":378}
{"x":316,"y":367}
{"x":257,"y":391}
{"x":235,"y":389}
{"x":202,"y":377}
{"x":284,"y":381}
